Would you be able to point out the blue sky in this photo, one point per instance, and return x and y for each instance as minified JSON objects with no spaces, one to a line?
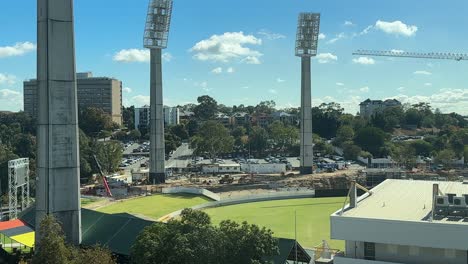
{"x":256,"y":60}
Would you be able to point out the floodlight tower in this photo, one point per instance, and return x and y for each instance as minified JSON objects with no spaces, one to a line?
{"x":58,"y":168}
{"x":158,"y":22}
{"x":306,"y":47}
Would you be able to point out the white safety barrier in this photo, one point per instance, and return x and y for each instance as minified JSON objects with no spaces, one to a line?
{"x":198,"y":191}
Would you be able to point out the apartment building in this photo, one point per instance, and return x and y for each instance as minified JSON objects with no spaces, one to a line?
{"x":405,"y":221}
{"x":142,"y":117}
{"x":370,"y":107}
{"x":99,"y":92}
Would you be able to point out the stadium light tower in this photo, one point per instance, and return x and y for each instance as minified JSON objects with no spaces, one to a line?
{"x":158,"y":22}
{"x":58,"y":167}
{"x":306,"y":47}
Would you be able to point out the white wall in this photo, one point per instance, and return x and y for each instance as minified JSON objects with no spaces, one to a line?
{"x":271,"y":168}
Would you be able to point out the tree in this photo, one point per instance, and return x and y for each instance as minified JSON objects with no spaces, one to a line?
{"x":371,"y":139}
{"x":265,"y":107}
{"x":52,"y":248}
{"x":86,"y":158}
{"x":93,"y":120}
{"x":193,"y":239}
{"x":351,"y":151}
{"x":421,"y":148}
{"x":180,"y":131}
{"x":258,"y":140}
{"x":283,"y":136}
{"x":212,"y":138}
{"x":109,"y":154}
{"x":344,"y":133}
{"x":128,"y":116}
{"x":445,"y":157}
{"x":134,"y":135}
{"x":326,"y":119}
{"x":404,"y":154}
{"x":171,"y":142}
{"x":206,"y":109}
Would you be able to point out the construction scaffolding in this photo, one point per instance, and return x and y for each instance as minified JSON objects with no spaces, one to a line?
{"x":18,"y":178}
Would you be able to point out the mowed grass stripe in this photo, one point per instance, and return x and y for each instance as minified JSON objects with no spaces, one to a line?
{"x":154,"y":206}
{"x":313,"y":218}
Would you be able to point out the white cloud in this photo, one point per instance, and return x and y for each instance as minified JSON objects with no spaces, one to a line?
{"x":396,"y":28}
{"x":397,"y":51}
{"x":270,"y":35}
{"x":338,"y":37}
{"x":422,"y":73}
{"x":401,"y":89}
{"x":322,"y":36}
{"x":138,"y":101}
{"x":339,"y":84}
{"x":218,"y":70}
{"x":10,"y":100}
{"x":7,"y":79}
{"x":132,"y":55}
{"x":428,"y":84}
{"x":227,"y":47}
{"x":245,"y":87}
{"x":350,"y":104}
{"x":326,"y":57}
{"x":251,"y":60}
{"x":348,"y":23}
{"x":167,"y":56}
{"x":273,"y":91}
{"x":18,"y":49}
{"x":279,"y":80}
{"x":203,"y":85}
{"x":364,"y":61}
{"x":127,"y":90}
{"x":364,"y":89}
{"x":230,"y":70}
{"x":447,"y":100}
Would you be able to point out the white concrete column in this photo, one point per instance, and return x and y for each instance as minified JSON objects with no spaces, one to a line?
{"x":157,"y":153}
{"x":306,"y":118}
{"x":58,"y":169}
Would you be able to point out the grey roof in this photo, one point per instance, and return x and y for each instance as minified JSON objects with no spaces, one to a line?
{"x":403,"y":200}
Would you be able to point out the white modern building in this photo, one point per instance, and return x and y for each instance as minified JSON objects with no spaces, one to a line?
{"x":370,"y":107}
{"x":142,"y":117}
{"x":264,"y":168}
{"x":396,"y":223}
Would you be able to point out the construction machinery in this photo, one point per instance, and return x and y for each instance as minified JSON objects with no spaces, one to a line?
{"x":226,"y":179}
{"x":417,"y":55}
{"x":104,"y":178}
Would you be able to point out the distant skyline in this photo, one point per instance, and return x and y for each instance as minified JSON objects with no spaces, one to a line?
{"x":242,"y":52}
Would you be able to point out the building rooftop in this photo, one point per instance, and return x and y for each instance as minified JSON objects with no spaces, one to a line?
{"x":404,"y":200}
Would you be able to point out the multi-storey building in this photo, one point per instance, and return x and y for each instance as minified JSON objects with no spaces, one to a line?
{"x":370,"y":107}
{"x":142,"y":117}
{"x":405,"y":221}
{"x":98,"y":92}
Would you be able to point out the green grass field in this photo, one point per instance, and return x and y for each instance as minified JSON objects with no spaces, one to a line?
{"x":313,"y":218}
{"x":154,"y":206}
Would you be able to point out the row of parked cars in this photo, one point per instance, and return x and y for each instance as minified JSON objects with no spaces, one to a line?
{"x":126,"y":162}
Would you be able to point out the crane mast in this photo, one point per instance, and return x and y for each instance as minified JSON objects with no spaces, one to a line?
{"x":404,"y":54}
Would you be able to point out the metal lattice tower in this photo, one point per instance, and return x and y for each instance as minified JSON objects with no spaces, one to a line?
{"x":306,"y":47}
{"x":18,"y":178}
{"x":156,"y":35}
{"x":403,"y":54}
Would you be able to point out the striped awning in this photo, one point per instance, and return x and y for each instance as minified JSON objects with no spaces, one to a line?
{"x":18,"y":231}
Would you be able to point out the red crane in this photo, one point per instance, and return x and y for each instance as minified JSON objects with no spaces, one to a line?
{"x":104,"y":178}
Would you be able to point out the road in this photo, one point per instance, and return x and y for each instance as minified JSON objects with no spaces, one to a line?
{"x":181,"y":157}
{"x":130,"y":149}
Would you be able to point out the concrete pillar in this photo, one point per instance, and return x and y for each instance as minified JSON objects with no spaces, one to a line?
{"x":157,"y":153}
{"x":58,"y":169}
{"x":306,"y":118}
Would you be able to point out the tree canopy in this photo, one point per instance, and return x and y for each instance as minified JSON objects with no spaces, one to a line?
{"x":193,"y":239}
{"x":212,"y":138}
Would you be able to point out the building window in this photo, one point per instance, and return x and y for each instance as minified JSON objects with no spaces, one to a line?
{"x":369,"y":251}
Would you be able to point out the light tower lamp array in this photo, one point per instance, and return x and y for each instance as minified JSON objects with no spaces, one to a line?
{"x":156,"y":36}
{"x":306,"y":47}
